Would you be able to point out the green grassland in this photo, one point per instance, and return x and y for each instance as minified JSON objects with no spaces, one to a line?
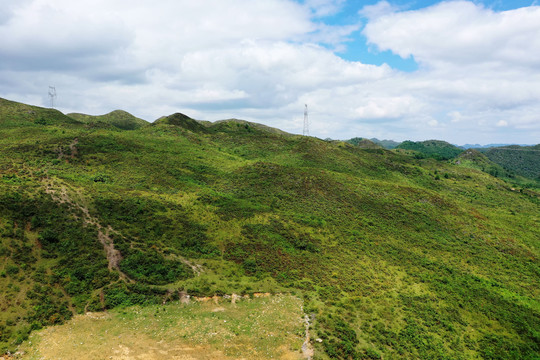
{"x":395,"y":256}
{"x":260,"y":328}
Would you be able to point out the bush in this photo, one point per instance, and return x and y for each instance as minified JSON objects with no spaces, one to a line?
{"x":12,"y":270}
{"x":341,"y":338}
{"x":152,"y":268}
{"x":102,"y":178}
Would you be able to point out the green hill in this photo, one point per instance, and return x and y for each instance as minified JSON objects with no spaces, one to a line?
{"x":390,"y":258}
{"x":182,"y":121}
{"x":387,"y":144}
{"x":523,"y":160}
{"x":364,"y":143}
{"x":440,"y":150}
{"x":14,"y":114}
{"x":118,"y":118}
{"x":236,"y":125}
{"x":475,"y":159}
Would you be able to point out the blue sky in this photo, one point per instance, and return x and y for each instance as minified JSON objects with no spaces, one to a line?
{"x":463,"y":71}
{"x":349,"y":13}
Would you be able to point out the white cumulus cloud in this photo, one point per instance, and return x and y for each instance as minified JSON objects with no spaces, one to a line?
{"x":262,"y":60}
{"x":460,"y":33}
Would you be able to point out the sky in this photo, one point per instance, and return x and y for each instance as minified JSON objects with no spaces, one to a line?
{"x":459,"y":71}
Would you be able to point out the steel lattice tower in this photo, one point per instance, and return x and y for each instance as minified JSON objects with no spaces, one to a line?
{"x":52,"y":95}
{"x":306,"y":122}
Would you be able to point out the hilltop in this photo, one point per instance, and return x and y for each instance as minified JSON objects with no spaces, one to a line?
{"x":182,"y":121}
{"x":437,"y":149}
{"x":389,"y":254}
{"x":364,"y":143}
{"x":118,"y":118}
{"x":14,"y":114}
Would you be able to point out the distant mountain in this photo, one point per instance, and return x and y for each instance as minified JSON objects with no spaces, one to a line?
{"x":387,"y":144}
{"x":478,"y":146}
{"x":117,"y":118}
{"x":436,"y":149}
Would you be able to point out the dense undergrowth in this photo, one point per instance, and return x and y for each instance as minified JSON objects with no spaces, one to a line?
{"x":396,"y":256}
{"x":522,"y":160}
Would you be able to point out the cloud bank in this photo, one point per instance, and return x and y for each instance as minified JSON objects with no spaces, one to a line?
{"x":478,"y":78}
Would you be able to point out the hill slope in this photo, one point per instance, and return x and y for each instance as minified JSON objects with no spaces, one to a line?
{"x":432,"y":148}
{"x":475,"y":159}
{"x":364,"y":143}
{"x":235,"y":125}
{"x":182,"y":121}
{"x":14,"y":114}
{"x":523,"y":160}
{"x":118,"y":118}
{"x":391,"y":260}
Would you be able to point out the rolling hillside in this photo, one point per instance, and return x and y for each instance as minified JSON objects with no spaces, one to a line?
{"x":364,"y":143}
{"x":440,"y":150}
{"x":393,"y":256}
{"x":118,"y":118}
{"x":523,"y":160}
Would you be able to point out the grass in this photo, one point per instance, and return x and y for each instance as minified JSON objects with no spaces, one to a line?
{"x":260,"y":328}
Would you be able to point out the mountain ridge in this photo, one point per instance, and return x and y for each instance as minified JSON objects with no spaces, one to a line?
{"x":118,"y":118}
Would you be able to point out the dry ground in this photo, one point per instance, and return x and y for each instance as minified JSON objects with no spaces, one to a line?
{"x":262,"y":328}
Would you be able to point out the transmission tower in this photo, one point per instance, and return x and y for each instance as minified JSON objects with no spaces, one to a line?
{"x":52,"y":95}
{"x":306,"y":122}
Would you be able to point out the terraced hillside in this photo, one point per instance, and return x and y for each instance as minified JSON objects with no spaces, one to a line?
{"x":394,"y":256}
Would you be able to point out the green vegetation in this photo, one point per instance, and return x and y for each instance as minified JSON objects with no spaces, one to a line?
{"x":117,"y":118}
{"x":435,"y":149}
{"x":394,"y":253}
{"x":387,"y":144}
{"x":259,"y":328}
{"x":182,"y":121}
{"x":522,"y":160}
{"x":13,"y":114}
{"x":364,"y":143}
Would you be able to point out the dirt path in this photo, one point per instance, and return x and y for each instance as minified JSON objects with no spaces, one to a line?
{"x":59,"y":193}
{"x":73,"y":148}
{"x":307,"y":349}
{"x":197,"y":268}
